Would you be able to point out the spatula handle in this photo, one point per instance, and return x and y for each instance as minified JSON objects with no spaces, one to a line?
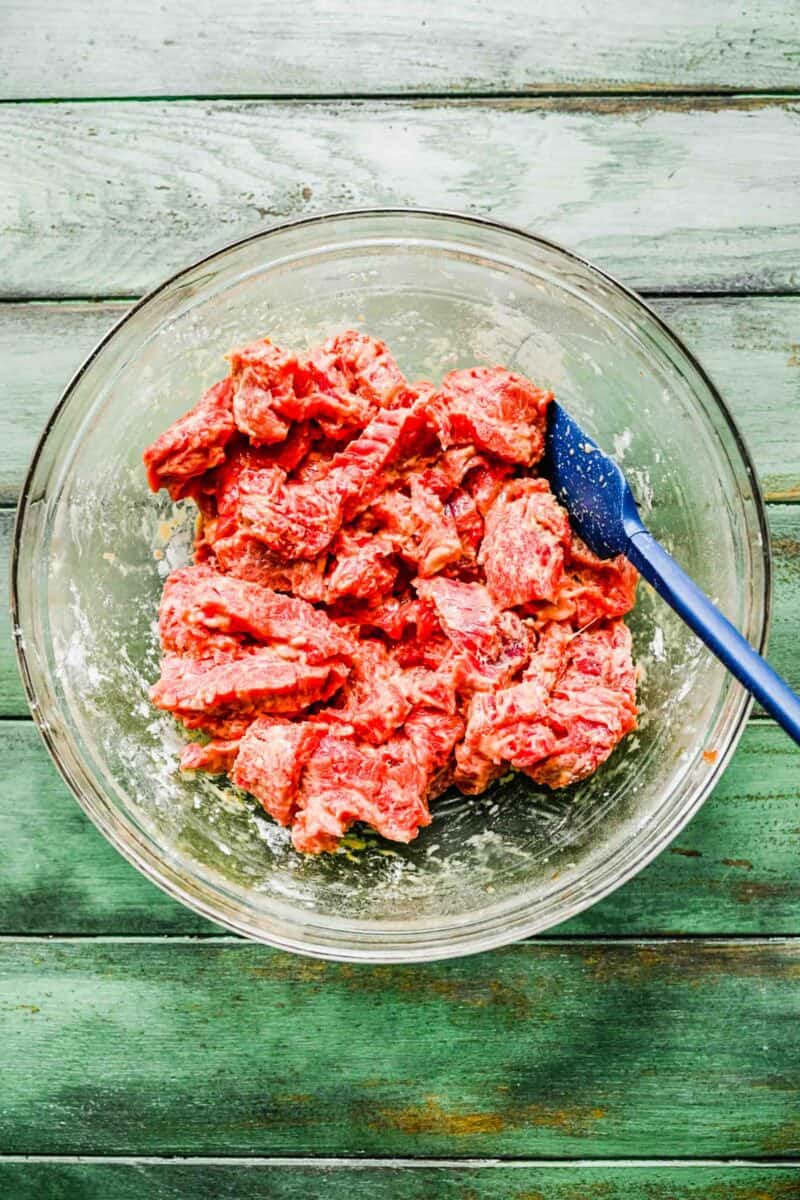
{"x":723,"y":639}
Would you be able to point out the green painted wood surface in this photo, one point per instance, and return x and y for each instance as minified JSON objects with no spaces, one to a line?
{"x":409,"y":1181}
{"x":750,"y":346}
{"x":106,"y":199}
{"x":331,"y":47}
{"x":733,"y":870}
{"x":541,"y":1050}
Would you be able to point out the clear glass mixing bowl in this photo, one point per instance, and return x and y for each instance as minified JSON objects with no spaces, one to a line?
{"x":92,"y":547}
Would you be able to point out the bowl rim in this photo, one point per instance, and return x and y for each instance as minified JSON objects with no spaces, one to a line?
{"x":466,"y":939}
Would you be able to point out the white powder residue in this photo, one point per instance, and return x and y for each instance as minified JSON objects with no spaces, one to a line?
{"x":657,"y":644}
{"x":622,"y":443}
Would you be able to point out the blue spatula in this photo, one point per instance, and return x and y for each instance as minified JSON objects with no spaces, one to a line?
{"x":595,"y":492}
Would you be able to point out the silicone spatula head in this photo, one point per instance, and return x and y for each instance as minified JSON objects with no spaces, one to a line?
{"x":590,"y":485}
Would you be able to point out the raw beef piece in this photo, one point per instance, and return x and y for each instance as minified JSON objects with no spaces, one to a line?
{"x":373,"y":702}
{"x":438,"y":540}
{"x":220,"y":510}
{"x":574,"y":705}
{"x":256,"y":410}
{"x":365,"y":364}
{"x":466,"y":612}
{"x":246,"y":558}
{"x":293,"y":520}
{"x":215,"y":758}
{"x":504,"y":727}
{"x":433,"y":733}
{"x":271,"y":759}
{"x":419,"y":526}
{"x":468,"y":522}
{"x":522,"y":553}
{"x":347,"y":781}
{"x":593,"y":705}
{"x":358,"y":474}
{"x":203,"y":610}
{"x":362,"y":566}
{"x":491,"y":646}
{"x":485,"y":482}
{"x":379,"y":694}
{"x":274,"y":387}
{"x":258,"y":681}
{"x":494,"y":410}
{"x":193,"y":444}
{"x":594,"y":588}
{"x":299,"y":520}
{"x":386,"y":786}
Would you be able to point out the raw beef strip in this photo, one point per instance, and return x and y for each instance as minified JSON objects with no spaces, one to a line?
{"x":293,"y":520}
{"x":271,"y":759}
{"x":492,"y":646}
{"x":565,"y":717}
{"x":246,"y":558}
{"x":193,"y":444}
{"x":362,"y":566}
{"x":493,"y":409}
{"x":347,"y":781}
{"x":522,"y":553}
{"x":366,"y":365}
{"x":593,"y":705}
{"x":200,"y":605}
{"x":258,"y":681}
{"x":215,"y":757}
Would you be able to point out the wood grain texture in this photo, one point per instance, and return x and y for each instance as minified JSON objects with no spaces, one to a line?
{"x":784,"y":523}
{"x":733,"y":870}
{"x":107,"y":199}
{"x":332,"y":47}
{"x":750,"y":346}
{"x":326,"y":1181}
{"x":540,"y":1049}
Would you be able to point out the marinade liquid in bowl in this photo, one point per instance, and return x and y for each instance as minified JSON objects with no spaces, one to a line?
{"x":93,"y":546}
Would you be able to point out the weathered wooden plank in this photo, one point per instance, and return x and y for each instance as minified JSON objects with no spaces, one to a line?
{"x":330,"y":47}
{"x":731,"y":871}
{"x":751,"y":349}
{"x":784,"y":522}
{"x":106,"y":199}
{"x":241,"y":1180}
{"x":750,"y":345}
{"x":675,"y":1049}
{"x":41,"y":345}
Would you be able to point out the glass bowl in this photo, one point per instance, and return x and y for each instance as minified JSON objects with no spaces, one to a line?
{"x":92,"y":547}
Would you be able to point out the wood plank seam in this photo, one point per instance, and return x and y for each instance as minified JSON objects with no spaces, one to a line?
{"x":532,"y":93}
{"x":359,"y":1162}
